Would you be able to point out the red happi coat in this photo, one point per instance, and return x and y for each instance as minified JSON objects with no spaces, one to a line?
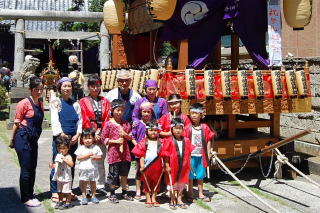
{"x":154,"y":169}
{"x":207,"y":135}
{"x":88,"y":116}
{"x":180,"y":166}
{"x":165,"y":121}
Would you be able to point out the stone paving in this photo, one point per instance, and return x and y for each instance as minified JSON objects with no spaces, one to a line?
{"x":227,"y":196}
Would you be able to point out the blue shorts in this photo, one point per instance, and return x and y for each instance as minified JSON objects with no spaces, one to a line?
{"x":197,"y":168}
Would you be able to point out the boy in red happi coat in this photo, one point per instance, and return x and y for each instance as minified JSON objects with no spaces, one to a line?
{"x":179,"y":149}
{"x":150,"y":150}
{"x":174,"y":103}
{"x":201,"y":136}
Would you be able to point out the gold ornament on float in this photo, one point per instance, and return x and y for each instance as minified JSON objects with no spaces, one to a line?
{"x":114,"y":15}
{"x":297,"y":13}
{"x":161,"y":9}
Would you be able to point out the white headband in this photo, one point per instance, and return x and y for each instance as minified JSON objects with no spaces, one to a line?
{"x":174,"y":100}
{"x":196,"y":110}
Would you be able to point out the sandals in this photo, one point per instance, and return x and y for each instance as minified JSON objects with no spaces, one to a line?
{"x":65,"y":206}
{"x":205,"y":199}
{"x":32,"y":203}
{"x":137,"y":197}
{"x":172,"y":206}
{"x":156,"y":204}
{"x":55,"y":199}
{"x":182,"y":206}
{"x":114,"y":199}
{"x":148,"y":205}
{"x":127,"y":197}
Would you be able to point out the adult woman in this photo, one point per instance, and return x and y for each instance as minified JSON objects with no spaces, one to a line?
{"x":95,"y":112}
{"x":160,"y":106}
{"x":66,"y":120}
{"x":26,"y":132}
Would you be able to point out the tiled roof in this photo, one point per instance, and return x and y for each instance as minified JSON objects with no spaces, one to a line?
{"x":55,"y":5}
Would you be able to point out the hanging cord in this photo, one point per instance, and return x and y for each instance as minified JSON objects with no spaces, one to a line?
{"x":154,"y":47}
{"x":214,"y":154}
{"x":270,"y":166}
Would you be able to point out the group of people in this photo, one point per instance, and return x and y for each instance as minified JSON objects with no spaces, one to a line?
{"x":169,"y":148}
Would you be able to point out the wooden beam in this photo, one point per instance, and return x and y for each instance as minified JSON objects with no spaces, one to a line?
{"x":234,"y":51}
{"x":183,"y":55}
{"x":252,"y":124}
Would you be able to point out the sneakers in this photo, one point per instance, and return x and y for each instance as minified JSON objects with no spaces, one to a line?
{"x":95,"y":200}
{"x":84,"y":201}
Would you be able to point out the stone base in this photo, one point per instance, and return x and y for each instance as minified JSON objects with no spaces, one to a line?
{"x":307,"y":148}
{"x":314,"y":165}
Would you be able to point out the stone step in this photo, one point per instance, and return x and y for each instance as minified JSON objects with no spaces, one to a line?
{"x":314,"y":165}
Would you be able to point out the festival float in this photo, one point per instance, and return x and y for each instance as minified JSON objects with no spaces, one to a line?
{"x":233,"y":96}
{"x":50,"y":76}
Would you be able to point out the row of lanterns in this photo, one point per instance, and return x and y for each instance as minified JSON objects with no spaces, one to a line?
{"x":297,"y":13}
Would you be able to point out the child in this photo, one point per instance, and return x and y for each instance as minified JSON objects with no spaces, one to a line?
{"x":174,"y":102}
{"x":63,"y":164}
{"x":179,"y":149}
{"x":150,"y":150}
{"x":88,"y":155}
{"x":116,"y":134}
{"x":138,"y":133}
{"x":201,"y":137}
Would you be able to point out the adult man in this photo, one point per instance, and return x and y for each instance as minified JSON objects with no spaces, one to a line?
{"x":123,"y":92}
{"x":78,"y":80}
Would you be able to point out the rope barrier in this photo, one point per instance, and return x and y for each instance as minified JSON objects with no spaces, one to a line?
{"x":244,"y":186}
{"x":284,"y":160}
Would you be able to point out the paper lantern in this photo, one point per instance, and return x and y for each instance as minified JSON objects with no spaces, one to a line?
{"x":161,"y":9}
{"x":114,"y":15}
{"x":297,"y":13}
{"x":73,"y":59}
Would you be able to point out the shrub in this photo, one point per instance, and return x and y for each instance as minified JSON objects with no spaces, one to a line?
{"x":3,"y":98}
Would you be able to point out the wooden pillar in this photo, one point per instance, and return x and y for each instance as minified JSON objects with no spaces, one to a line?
{"x":81,"y":56}
{"x":119,"y":57}
{"x":217,"y":56}
{"x":234,"y":51}
{"x":275,"y":126}
{"x":231,"y":126}
{"x":183,"y":55}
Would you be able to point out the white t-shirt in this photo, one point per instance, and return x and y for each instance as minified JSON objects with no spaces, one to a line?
{"x":197,"y":142}
{"x":151,"y":154}
{"x":88,"y":164}
{"x":180,"y":147}
{"x":62,"y":170}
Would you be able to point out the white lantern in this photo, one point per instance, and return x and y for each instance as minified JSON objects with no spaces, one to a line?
{"x":114,"y":15}
{"x":297,"y":13}
{"x":73,"y":59}
{"x":161,"y":9}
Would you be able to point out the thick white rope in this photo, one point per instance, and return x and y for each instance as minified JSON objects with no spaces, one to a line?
{"x":285,"y":160}
{"x":244,"y":186}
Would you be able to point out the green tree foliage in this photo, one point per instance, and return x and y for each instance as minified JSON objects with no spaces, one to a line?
{"x":94,"y":6}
